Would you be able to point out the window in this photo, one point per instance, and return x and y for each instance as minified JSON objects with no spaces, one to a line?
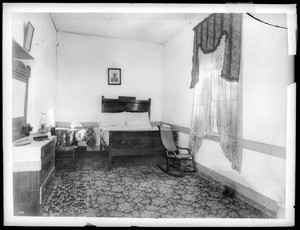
{"x":211,"y":124}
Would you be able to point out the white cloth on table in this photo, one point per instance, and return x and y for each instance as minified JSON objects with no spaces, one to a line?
{"x":28,"y":157}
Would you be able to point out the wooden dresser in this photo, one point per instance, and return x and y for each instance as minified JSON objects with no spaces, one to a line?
{"x":33,"y":173}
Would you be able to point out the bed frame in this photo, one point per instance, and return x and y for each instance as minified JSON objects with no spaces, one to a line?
{"x":130,"y":143}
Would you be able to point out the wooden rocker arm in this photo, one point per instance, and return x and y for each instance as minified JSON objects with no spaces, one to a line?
{"x":172,"y":153}
{"x":184,"y":149}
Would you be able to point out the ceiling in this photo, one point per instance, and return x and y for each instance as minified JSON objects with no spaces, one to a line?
{"x":147,"y":27}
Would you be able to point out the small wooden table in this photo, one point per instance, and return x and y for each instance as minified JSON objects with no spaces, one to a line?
{"x":63,"y":152}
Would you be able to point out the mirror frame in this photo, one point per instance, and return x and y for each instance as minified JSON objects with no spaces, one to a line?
{"x":20,"y":72}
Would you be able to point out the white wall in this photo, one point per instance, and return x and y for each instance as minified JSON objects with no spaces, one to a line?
{"x":42,"y":82}
{"x":177,"y":97}
{"x":83,"y":62}
{"x":266,"y":70}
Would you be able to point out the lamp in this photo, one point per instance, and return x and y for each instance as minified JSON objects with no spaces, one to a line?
{"x":43,"y":124}
{"x":51,"y":121}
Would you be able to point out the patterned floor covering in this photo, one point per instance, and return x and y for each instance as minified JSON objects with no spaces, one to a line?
{"x":137,"y":188}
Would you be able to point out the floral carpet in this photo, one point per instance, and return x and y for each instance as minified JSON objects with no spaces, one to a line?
{"x":135,"y":187}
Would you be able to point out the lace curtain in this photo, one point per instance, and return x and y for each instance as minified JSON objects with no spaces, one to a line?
{"x":229,"y":106}
{"x":210,"y":70}
{"x":229,"y":120}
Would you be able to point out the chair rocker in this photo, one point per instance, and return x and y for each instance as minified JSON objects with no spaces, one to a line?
{"x":176,"y":163}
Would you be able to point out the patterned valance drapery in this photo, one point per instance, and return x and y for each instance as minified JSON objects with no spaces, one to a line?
{"x":207,"y":37}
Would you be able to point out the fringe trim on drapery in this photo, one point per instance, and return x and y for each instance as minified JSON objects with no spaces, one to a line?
{"x":207,"y":37}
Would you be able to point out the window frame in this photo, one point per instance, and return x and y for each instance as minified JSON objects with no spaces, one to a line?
{"x":208,"y":126}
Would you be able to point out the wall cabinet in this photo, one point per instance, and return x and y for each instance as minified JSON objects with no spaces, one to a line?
{"x":33,"y":179}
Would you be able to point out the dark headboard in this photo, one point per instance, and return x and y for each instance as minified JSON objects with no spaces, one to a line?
{"x":128,"y":104}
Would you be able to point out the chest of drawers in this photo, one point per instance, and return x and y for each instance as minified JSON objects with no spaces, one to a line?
{"x":33,"y":179}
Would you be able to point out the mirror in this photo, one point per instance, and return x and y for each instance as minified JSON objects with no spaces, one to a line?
{"x":20,"y":76}
{"x":18,"y":98}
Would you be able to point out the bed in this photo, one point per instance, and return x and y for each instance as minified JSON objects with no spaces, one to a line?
{"x":124,"y":130}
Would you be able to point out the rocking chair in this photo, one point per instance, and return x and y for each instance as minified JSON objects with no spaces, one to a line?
{"x":176,"y":163}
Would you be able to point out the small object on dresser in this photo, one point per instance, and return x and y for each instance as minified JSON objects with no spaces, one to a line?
{"x":22,"y":142}
{"x":43,"y":129}
{"x":53,"y":131}
{"x":40,"y":138}
{"x":43,"y":123}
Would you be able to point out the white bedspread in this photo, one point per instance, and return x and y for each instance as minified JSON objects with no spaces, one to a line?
{"x":105,"y":131}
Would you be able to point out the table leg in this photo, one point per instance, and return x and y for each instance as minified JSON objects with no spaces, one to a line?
{"x":109,"y":162}
{"x":73,"y":159}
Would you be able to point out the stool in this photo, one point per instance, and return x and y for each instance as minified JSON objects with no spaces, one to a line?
{"x":63,"y":152}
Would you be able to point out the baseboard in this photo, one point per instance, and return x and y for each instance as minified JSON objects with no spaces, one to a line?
{"x":246,"y":194}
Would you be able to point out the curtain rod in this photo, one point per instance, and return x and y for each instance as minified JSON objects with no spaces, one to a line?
{"x":266,"y":22}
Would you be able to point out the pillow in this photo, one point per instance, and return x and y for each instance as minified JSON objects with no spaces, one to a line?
{"x":80,"y":135}
{"x":65,"y":137}
{"x":75,"y":125}
{"x":137,"y":119}
{"x":97,"y":134}
{"x":112,"y":119}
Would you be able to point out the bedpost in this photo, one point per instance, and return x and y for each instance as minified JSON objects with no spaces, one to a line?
{"x":149,"y":106}
{"x":102,"y":102}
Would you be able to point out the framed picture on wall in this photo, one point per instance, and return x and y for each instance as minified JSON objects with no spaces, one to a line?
{"x":28,"y":36}
{"x":114,"y":76}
